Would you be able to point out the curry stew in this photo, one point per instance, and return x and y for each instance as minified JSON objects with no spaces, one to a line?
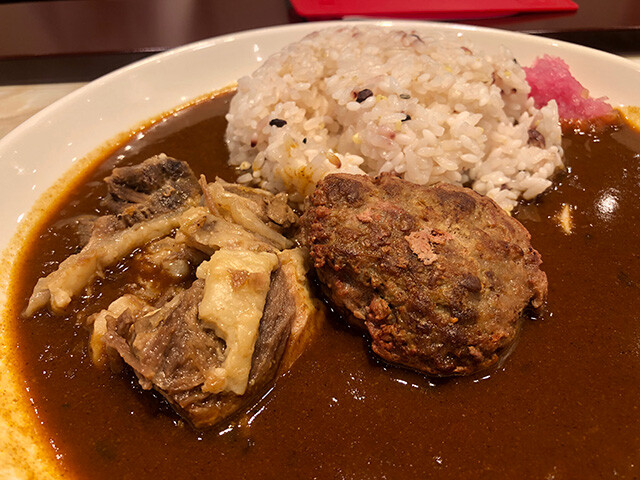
{"x":564,"y":404}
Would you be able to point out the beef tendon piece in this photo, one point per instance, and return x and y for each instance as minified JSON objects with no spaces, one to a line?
{"x":438,"y":275}
{"x":237,"y":283}
{"x":147,"y":201}
{"x":256,"y":210}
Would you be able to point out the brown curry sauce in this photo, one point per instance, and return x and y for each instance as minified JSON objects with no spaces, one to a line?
{"x":563,"y":405}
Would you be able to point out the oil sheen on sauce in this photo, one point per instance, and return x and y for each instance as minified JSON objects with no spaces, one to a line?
{"x":564,"y":405}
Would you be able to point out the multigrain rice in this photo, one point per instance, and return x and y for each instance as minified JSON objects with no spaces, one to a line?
{"x":429,"y":107}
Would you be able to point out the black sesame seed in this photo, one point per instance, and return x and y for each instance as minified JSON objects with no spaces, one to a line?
{"x":405,"y":96}
{"x":304,"y":140}
{"x":278,"y":122}
{"x":406,"y":117}
{"x":363,"y":95}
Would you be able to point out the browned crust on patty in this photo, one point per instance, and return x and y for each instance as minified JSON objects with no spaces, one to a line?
{"x":438,"y":275}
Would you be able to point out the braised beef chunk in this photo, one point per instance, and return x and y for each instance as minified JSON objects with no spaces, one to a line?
{"x":215,"y":306}
{"x":168,"y":348}
{"x":438,"y":276}
{"x":146,"y":202}
{"x":158,"y":185}
{"x":173,"y":351}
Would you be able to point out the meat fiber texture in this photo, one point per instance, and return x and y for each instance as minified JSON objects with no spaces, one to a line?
{"x":209,"y":345}
{"x":550,"y":79}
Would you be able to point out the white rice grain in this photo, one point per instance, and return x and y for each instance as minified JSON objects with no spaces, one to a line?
{"x":439,"y":110}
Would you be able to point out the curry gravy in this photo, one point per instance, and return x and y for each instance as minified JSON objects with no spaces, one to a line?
{"x":564,"y":405}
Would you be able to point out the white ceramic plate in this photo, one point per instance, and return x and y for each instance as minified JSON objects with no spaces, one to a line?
{"x":49,"y":145}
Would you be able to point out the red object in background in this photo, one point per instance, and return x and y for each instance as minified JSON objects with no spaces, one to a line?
{"x":428,"y":9}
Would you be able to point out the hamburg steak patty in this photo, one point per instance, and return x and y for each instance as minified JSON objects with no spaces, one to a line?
{"x":438,"y":275}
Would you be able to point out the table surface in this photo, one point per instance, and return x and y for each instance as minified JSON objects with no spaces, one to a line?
{"x":107,"y":26}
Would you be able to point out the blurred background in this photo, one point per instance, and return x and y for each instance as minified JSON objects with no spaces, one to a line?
{"x":79,"y":40}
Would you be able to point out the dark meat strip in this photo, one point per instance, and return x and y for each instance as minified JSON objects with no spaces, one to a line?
{"x":159,"y":185}
{"x":438,"y":276}
{"x":275,"y":327}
